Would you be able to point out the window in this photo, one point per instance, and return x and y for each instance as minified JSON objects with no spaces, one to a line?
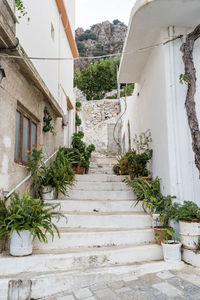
{"x":25,"y":136}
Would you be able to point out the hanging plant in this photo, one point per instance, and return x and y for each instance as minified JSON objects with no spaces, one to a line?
{"x":47,"y":121}
{"x":78,"y":120}
{"x":21,"y":8}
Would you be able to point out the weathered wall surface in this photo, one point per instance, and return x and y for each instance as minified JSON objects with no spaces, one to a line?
{"x":98,"y":121}
{"x":16,"y":90}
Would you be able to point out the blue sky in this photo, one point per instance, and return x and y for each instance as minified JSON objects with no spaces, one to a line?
{"x":89,"y":12}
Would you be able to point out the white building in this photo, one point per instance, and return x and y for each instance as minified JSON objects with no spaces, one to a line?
{"x":158,"y":99}
{"x":50,"y":34}
{"x":31,"y":86}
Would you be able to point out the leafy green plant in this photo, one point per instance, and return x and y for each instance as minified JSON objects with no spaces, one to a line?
{"x":78,"y":121}
{"x":78,"y":105}
{"x":183,"y":78}
{"x":33,"y":167}
{"x":135,"y":164}
{"x":98,"y":78}
{"x":188,"y":211}
{"x":148,"y":191}
{"x":168,"y":231}
{"x":21,"y":8}
{"x":23,"y":212}
{"x":47,"y":122}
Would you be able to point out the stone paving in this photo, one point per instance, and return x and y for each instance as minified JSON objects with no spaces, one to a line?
{"x":182,"y":284}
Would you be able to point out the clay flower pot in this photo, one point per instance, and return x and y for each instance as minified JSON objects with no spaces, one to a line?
{"x":157,"y":230}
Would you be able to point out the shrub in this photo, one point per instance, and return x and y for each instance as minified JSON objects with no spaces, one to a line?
{"x":26,"y":213}
{"x":98,"y":78}
{"x":78,"y":121}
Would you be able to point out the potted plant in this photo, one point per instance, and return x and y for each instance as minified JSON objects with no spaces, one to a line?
{"x":26,"y":218}
{"x":188,"y":215}
{"x":171,"y":247}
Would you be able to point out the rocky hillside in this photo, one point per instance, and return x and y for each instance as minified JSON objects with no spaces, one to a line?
{"x":101,"y":39}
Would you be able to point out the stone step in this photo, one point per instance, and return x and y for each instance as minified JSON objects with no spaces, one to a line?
{"x":100,"y":178}
{"x":104,"y":160}
{"x":81,"y":258}
{"x":97,"y":238}
{"x":101,"y":186}
{"x":126,"y":220}
{"x":101,"y":171}
{"x":49,"y":284}
{"x":99,"y":195}
{"x":99,"y":205}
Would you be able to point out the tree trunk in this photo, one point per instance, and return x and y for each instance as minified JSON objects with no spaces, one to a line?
{"x":190,"y":72}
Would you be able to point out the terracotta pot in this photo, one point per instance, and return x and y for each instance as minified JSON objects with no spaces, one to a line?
{"x":86,"y":171}
{"x":79,"y":170}
{"x":158,"y":230}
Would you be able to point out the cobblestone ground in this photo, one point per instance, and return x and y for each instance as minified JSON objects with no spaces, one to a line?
{"x":182,"y":284}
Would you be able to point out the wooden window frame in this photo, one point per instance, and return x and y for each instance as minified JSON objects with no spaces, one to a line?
{"x":23,"y":115}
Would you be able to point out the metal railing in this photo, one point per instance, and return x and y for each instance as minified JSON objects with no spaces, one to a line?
{"x":27,"y":177}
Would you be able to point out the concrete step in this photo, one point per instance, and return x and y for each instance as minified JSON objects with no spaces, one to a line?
{"x":104,"y":160}
{"x":100,"y":178}
{"x":99,"y":205}
{"x":81,"y":258}
{"x":97,"y":238}
{"x":50,"y":284}
{"x":126,"y":220}
{"x":101,"y":186}
{"x":99,"y":195}
{"x":101,"y":171}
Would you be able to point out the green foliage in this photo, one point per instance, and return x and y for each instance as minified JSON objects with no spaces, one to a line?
{"x":78,"y":121}
{"x":33,"y":167}
{"x":98,"y":78}
{"x":116,"y":21}
{"x":78,"y":105}
{"x":87,"y":35}
{"x":183,"y":78}
{"x":148,"y":191}
{"x":59,"y":174}
{"x":188,"y":211}
{"x":21,"y":8}
{"x":26,"y":213}
{"x":81,"y":48}
{"x":127,"y":90}
{"x":166,"y":233}
{"x":135,"y":164}
{"x":83,"y":150}
{"x":47,"y":121}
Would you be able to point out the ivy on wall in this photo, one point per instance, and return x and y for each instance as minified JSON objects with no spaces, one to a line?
{"x":47,"y":121}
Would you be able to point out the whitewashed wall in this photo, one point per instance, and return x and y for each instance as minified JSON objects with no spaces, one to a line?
{"x":44,"y":36}
{"x":158,"y":104}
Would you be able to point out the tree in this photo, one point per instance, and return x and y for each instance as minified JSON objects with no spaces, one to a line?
{"x":116,"y":21}
{"x":98,"y":78}
{"x":190,"y":75}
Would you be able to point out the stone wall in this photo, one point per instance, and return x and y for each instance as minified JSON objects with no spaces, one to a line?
{"x":98,"y":121}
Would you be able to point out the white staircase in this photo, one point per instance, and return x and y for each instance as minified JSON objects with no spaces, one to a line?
{"x":104,"y":231}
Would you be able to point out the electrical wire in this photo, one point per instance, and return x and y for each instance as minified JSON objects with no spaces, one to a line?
{"x":4,"y":55}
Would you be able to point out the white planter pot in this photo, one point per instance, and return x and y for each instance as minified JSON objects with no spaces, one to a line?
{"x":191,"y":257}
{"x":171,"y":252}
{"x":190,"y":233}
{"x":21,"y":244}
{"x":48,"y":193}
{"x":155,"y":221}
